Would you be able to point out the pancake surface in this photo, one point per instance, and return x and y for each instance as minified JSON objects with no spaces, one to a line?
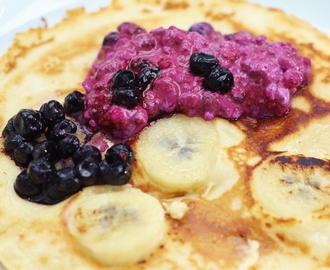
{"x":266,"y":206}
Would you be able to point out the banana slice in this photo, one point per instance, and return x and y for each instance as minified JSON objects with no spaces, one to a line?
{"x":292,"y":187}
{"x":178,"y":153}
{"x":116,"y":225}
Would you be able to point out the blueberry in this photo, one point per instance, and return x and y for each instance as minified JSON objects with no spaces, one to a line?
{"x":46,"y":149}
{"x":26,"y":188}
{"x":110,"y":39}
{"x":12,"y":141}
{"x":60,"y":129}
{"x":138,"y":64}
{"x":41,"y":171}
{"x":146,"y":76}
{"x":52,"y":112}
{"x":219,"y":80}
{"x":119,"y":153}
{"x":128,"y":98}
{"x":68,"y":145}
{"x":87,"y":171}
{"x":201,"y":64}
{"x":86,"y":151}
{"x":202,"y":28}
{"x":67,"y":180}
{"x":124,"y":78}
{"x":52,"y":195}
{"x":74,"y":102}
{"x":114,"y":174}
{"x":9,"y":128}
{"x":130,"y":29}
{"x":29,"y":123}
{"x":23,"y":153}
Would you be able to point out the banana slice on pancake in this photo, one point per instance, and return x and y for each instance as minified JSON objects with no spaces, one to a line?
{"x":116,"y":225}
{"x":292,"y":187}
{"x":178,"y":153}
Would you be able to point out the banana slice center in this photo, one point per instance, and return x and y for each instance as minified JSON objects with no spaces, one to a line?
{"x":116,"y":225}
{"x":178,"y":153}
{"x":292,"y":187}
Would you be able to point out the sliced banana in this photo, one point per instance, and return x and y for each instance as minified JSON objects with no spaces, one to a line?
{"x":292,"y":187}
{"x":178,"y":153}
{"x":116,"y":225}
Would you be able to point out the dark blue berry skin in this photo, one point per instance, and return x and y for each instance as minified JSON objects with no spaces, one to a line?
{"x":201,"y":28}
{"x":201,"y":64}
{"x":41,"y":171}
{"x":26,"y":188}
{"x":52,"y":112}
{"x":147,"y":75}
{"x":119,"y":153}
{"x":68,"y":145}
{"x":67,"y":180}
{"x":87,"y":171}
{"x":86,"y":151}
{"x":129,"y":29}
{"x":29,"y":123}
{"x":128,"y":98}
{"x":124,"y":78}
{"x":219,"y":80}
{"x":136,"y":65}
{"x":60,"y":129}
{"x":114,"y":174}
{"x":52,"y":194}
{"x":110,"y":39}
{"x":46,"y":149}
{"x":74,"y":103}
{"x":23,"y":153}
{"x":9,"y":128}
{"x":12,"y":140}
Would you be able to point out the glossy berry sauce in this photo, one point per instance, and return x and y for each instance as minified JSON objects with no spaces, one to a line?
{"x":257,"y":78}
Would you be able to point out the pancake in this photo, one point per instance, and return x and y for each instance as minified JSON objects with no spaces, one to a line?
{"x":266,"y":205}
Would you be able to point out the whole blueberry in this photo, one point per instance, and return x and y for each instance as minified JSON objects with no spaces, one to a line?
{"x":201,"y":64}
{"x":61,"y":129}
{"x":11,"y":141}
{"x":219,"y":80}
{"x":86,"y":151}
{"x":68,"y":145}
{"x":124,"y":78}
{"x":52,"y":112}
{"x":114,"y":174}
{"x":41,"y":171}
{"x":67,"y":180}
{"x":128,"y":98}
{"x":9,"y":128}
{"x":29,"y":123}
{"x":202,"y":28}
{"x":87,"y":171}
{"x":119,"y":153}
{"x":23,"y":153}
{"x":110,"y":39}
{"x":46,"y":149}
{"x":74,"y":102}
{"x":25,"y":187}
{"x":147,"y":75}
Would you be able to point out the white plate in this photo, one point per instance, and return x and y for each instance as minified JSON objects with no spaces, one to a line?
{"x":16,"y":16}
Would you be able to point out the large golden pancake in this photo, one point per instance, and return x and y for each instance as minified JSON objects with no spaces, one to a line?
{"x":267,"y":206}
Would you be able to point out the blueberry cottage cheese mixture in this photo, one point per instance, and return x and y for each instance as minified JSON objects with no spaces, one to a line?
{"x":140,"y":76}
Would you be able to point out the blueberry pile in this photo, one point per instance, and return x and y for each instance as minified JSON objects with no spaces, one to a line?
{"x":216,"y":78}
{"x":55,"y":163}
{"x":128,"y":85}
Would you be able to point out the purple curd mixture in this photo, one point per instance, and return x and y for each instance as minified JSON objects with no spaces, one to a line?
{"x":139,"y":77}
